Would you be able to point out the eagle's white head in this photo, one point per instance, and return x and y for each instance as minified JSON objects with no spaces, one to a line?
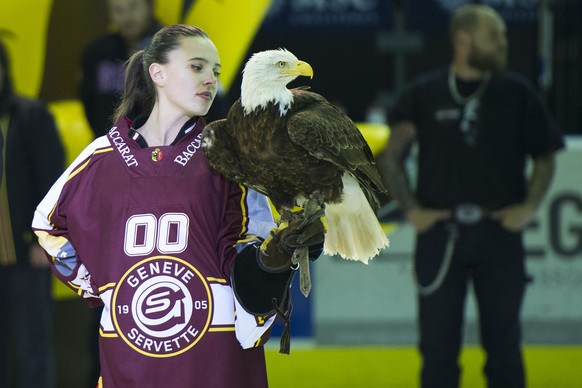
{"x":265,"y":79}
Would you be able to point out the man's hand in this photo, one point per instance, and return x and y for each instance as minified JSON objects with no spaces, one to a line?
{"x":423,"y":219}
{"x":37,"y":256}
{"x":514,"y":217}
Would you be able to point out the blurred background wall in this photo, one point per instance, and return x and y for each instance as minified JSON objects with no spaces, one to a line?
{"x":363,"y":51}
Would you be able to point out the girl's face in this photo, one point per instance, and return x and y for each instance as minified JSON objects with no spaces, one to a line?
{"x":191,"y":76}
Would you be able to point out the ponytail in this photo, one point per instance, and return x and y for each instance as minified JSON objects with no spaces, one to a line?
{"x":139,"y":94}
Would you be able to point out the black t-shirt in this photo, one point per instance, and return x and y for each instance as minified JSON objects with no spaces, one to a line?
{"x":102,"y":84}
{"x":475,"y":152}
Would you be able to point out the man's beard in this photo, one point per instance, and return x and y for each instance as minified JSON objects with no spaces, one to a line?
{"x":487,"y":62}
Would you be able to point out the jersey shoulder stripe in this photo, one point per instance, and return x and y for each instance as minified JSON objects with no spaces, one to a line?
{"x":44,"y":210}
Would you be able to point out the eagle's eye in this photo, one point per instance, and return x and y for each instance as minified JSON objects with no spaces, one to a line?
{"x":281,"y":64}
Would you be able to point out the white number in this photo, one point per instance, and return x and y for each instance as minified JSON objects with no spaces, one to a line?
{"x":143,"y":233}
{"x":173,"y":233}
{"x":124,"y":309}
{"x":140,"y":232}
{"x":200,"y":304}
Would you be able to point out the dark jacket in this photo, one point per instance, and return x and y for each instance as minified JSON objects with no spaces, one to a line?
{"x":33,"y":161}
{"x":103,"y":69}
{"x":1,"y":155}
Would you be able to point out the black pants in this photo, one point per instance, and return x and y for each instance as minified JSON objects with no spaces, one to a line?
{"x":26,"y":325}
{"x":493,"y":259}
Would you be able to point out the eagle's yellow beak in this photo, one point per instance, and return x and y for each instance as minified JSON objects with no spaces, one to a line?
{"x":302,"y":68}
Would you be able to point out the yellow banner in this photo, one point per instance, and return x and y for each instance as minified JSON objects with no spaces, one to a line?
{"x":168,"y":11}
{"x":28,"y":20}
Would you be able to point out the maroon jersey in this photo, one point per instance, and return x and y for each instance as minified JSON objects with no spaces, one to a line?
{"x":152,"y":233}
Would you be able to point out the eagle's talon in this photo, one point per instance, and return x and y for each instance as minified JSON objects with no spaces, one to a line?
{"x":310,"y":218}
{"x":314,"y":209}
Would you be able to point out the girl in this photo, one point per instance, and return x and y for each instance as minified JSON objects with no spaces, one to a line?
{"x":141,"y":224}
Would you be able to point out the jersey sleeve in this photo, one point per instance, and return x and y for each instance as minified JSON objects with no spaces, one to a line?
{"x":251,"y":330}
{"x":248,"y":217}
{"x":50,"y":226}
{"x":259,"y":219}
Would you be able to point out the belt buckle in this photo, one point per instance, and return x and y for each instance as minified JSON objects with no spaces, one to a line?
{"x":468,"y":213}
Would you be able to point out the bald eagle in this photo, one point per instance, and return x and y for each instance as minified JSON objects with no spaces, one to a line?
{"x":300,"y":150}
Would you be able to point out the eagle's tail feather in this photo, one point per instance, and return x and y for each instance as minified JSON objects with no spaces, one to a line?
{"x":354,"y":231}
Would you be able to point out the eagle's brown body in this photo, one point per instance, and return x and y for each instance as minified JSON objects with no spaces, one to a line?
{"x":306,"y":150}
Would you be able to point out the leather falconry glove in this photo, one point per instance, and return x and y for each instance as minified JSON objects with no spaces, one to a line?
{"x":277,"y":250}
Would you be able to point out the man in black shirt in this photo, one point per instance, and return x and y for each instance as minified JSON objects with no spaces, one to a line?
{"x":475,"y":125}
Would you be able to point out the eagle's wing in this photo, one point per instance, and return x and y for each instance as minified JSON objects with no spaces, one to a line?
{"x":328,"y":134}
{"x":221,"y":152}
